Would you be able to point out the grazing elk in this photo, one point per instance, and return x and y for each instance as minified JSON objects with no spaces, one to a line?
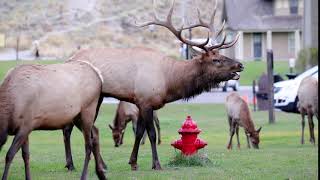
{"x":125,"y":113}
{"x":150,"y":79}
{"x":239,"y":115}
{"x":308,"y":104}
{"x":49,"y":97}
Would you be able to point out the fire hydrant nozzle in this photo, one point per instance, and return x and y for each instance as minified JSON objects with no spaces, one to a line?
{"x":189,"y":143}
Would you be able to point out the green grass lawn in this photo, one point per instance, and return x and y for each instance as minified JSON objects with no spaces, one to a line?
{"x":252,"y":70}
{"x":281,"y":156}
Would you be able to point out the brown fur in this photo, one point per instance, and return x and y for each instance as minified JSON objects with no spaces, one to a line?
{"x":47,"y":97}
{"x":125,"y":113}
{"x":239,"y":115}
{"x":308,"y":104}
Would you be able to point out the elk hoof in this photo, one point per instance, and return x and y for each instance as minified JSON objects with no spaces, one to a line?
{"x":159,"y":142}
{"x":156,"y":166}
{"x":302,"y":141}
{"x":312,"y":141}
{"x":70,"y":167}
{"x":239,"y":146}
{"x":134,"y":167}
{"x":229,"y":147}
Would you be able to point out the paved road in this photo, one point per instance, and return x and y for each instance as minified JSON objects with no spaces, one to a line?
{"x":215,"y":96}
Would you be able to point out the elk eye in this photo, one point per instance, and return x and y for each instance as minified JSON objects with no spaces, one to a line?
{"x":217,"y":61}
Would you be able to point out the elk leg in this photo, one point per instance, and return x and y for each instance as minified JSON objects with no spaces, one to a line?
{"x":144,"y":137}
{"x":302,"y":126}
{"x":248,"y":141}
{"x":101,"y":167}
{"x":100,"y":164}
{"x":311,"y":127}
{"x":87,"y":120}
{"x":141,"y":126}
{"x":96,"y":144}
{"x":25,"y":156}
{"x":157,"y":124}
{"x":237,"y":133}
{"x":148,"y":116}
{"x":232,"y":131}
{"x":67,"y":147}
{"x":17,"y":142}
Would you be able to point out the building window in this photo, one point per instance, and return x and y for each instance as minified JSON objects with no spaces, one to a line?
{"x":291,"y":42}
{"x":257,"y":46}
{"x":293,"y":6}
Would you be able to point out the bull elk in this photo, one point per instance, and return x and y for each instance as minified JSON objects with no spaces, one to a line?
{"x":308,"y":104}
{"x":125,"y":113}
{"x":239,"y":115}
{"x":49,"y":97}
{"x":149,"y":79}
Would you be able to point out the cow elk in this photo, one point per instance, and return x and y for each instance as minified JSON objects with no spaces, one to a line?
{"x":49,"y":97}
{"x":308,"y":104}
{"x":149,"y":79}
{"x":125,"y":113}
{"x":239,"y":115}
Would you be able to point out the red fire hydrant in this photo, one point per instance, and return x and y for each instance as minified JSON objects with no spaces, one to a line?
{"x":189,"y":143}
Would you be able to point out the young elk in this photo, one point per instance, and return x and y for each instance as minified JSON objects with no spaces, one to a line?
{"x":308,"y":104}
{"x":49,"y":97}
{"x":149,"y":79}
{"x":125,"y":113}
{"x":239,"y":115}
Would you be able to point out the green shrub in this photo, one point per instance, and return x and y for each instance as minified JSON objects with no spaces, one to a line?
{"x":199,"y":159}
{"x":307,"y":57}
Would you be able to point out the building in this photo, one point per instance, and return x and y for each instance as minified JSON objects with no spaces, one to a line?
{"x":262,"y":25}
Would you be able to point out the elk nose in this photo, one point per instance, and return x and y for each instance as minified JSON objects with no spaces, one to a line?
{"x":240,"y":66}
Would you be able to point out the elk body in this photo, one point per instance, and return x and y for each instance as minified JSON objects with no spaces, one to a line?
{"x":125,"y":113}
{"x":239,"y":115}
{"x":149,"y":79}
{"x":48,"y":97}
{"x":308,"y":104}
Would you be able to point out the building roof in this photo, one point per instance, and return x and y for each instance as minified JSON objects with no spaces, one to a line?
{"x":257,"y":15}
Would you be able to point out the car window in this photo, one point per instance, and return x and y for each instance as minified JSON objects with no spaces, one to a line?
{"x":308,"y":72}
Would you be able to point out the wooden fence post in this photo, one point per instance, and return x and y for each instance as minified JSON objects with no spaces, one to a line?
{"x":270,"y":86}
{"x":254,"y":95}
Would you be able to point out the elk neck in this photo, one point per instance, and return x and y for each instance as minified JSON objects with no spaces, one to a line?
{"x":188,"y":79}
{"x":246,"y":119}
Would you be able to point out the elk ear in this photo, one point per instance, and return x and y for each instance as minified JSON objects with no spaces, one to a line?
{"x":111,"y":127}
{"x":258,"y":131}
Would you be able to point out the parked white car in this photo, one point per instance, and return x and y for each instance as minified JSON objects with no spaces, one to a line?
{"x":234,"y":84}
{"x":285,"y":92}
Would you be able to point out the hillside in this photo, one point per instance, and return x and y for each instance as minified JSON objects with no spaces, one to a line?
{"x":61,"y":27}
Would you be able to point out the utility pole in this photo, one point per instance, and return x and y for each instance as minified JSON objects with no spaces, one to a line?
{"x":270,"y":86}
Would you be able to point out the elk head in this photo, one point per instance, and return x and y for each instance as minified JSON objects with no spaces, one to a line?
{"x":117,"y":135}
{"x":254,"y":138}
{"x":213,"y":65}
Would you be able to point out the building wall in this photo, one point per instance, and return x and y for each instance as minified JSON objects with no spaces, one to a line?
{"x":280,"y":46}
{"x":247,"y":46}
{"x":282,"y":7}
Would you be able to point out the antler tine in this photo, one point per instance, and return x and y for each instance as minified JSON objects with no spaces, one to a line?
{"x":220,"y":31}
{"x":231,"y":43}
{"x":178,"y":33}
{"x":220,"y":44}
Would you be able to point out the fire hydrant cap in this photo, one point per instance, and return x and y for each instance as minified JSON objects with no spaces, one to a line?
{"x":189,"y":126}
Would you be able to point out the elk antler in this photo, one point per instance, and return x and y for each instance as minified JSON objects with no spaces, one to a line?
{"x":177,"y":32}
{"x":210,"y":26}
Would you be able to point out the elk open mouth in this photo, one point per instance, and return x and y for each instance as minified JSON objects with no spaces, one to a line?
{"x":235,"y":75}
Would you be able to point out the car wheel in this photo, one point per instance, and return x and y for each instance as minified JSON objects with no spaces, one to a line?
{"x":235,"y":87}
{"x":224,"y":89}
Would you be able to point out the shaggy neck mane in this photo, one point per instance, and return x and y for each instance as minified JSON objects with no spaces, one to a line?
{"x":188,"y":79}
